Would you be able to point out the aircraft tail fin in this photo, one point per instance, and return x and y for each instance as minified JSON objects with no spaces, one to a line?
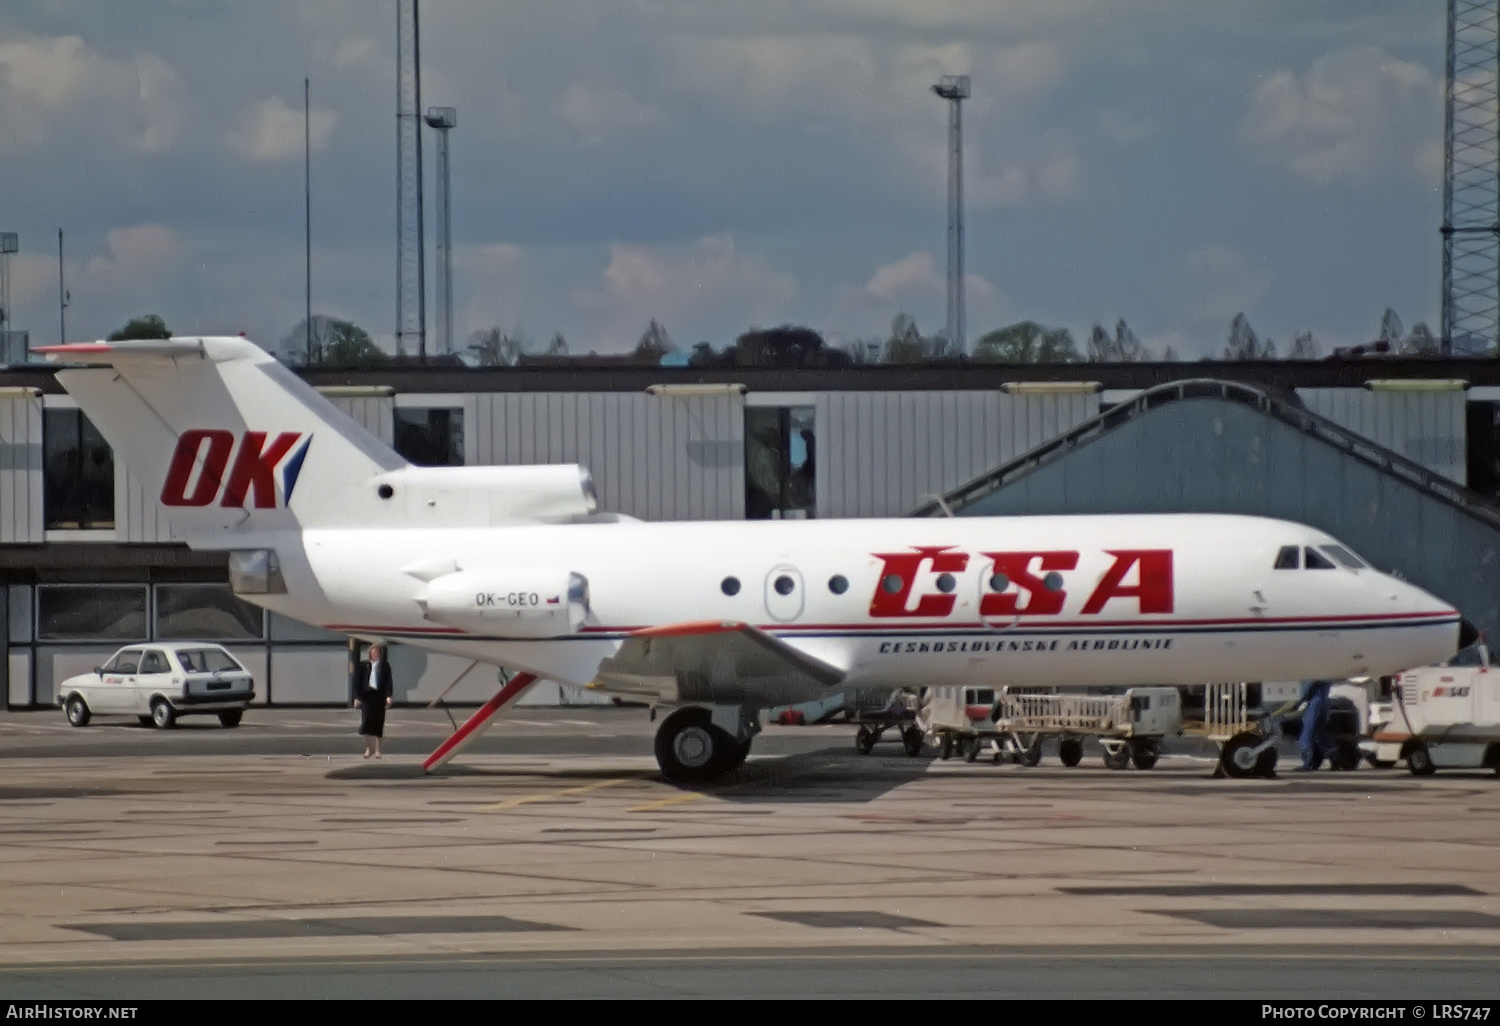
{"x":233,"y":443}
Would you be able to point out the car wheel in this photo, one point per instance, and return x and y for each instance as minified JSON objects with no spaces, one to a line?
{"x":231,"y":718}
{"x":78,"y":711}
{"x":162,"y":714}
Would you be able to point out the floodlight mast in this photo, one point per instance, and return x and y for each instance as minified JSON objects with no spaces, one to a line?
{"x":955,"y":89}
{"x":442,"y":119}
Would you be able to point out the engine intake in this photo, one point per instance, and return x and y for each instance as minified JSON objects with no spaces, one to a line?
{"x":509,"y":603}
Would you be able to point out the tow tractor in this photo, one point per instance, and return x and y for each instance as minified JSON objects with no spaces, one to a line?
{"x":1441,"y":717}
{"x":959,"y":719}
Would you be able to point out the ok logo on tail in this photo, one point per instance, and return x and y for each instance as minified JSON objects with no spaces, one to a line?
{"x":263,"y":472}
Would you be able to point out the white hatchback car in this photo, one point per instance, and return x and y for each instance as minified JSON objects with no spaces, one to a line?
{"x":158,"y":683}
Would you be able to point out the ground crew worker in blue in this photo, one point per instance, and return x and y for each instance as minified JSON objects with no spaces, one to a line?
{"x":1314,"y":743}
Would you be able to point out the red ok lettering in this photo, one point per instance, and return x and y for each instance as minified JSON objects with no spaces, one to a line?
{"x":255,"y":469}
{"x":1154,"y":587}
{"x":186,"y":456}
{"x":899,"y":573}
{"x":1041,"y":601}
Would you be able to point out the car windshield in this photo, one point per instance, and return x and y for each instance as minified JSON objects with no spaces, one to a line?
{"x":124,"y":662}
{"x":207,"y":660}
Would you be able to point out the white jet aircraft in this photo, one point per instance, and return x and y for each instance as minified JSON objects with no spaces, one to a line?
{"x":517,"y":567}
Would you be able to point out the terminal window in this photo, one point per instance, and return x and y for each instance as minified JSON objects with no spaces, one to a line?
{"x":430,"y":437}
{"x":78,"y":473}
{"x":780,"y":463}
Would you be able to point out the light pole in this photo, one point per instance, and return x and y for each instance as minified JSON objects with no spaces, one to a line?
{"x":955,"y":89}
{"x":307,"y":325}
{"x":442,"y":119}
{"x":62,"y":295}
{"x":10,"y":243}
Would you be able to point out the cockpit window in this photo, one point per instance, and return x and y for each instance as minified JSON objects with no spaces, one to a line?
{"x":1344,"y":556}
{"x":1315,"y":560}
{"x":1289,"y":558}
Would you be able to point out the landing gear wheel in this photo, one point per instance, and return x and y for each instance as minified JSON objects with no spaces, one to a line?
{"x":78,"y":712}
{"x":1117,"y":759}
{"x":1070,"y":751}
{"x":162,"y":714}
{"x":1144,"y":756}
{"x":1032,"y":753}
{"x":231,"y":717}
{"x":864,"y":741}
{"x":688,"y":746}
{"x":911,"y":737}
{"x":1345,"y":757}
{"x":1419,"y":761}
{"x":1238,"y":759}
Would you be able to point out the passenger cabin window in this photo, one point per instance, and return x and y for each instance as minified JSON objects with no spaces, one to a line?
{"x":1289,"y":558}
{"x":430,"y":437}
{"x":78,"y":473}
{"x":1315,"y":560}
{"x":154,"y":662}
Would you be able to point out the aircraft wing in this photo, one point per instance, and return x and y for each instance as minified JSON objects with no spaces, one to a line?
{"x":715,"y":661}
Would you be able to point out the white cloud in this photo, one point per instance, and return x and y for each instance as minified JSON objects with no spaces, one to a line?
{"x":1351,"y":116}
{"x":273,"y":130}
{"x":915,"y":284}
{"x":597,"y":114}
{"x":705,"y":289}
{"x":45,"y":78}
{"x":915,"y":273}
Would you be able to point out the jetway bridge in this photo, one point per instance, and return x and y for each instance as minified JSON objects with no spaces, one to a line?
{"x":1207,"y":446}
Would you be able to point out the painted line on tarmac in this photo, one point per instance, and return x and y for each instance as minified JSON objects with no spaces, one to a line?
{"x":549,"y":795}
{"x":676,"y":799}
{"x":851,"y":953}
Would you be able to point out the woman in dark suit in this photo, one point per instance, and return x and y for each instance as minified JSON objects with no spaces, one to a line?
{"x":372,"y":698}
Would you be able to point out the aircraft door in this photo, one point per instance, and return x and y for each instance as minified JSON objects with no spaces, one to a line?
{"x":785,"y":594}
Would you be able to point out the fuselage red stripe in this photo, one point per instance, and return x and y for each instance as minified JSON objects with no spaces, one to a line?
{"x":911,"y":627}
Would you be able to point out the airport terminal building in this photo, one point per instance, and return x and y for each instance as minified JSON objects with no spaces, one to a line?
{"x":1398,"y":457}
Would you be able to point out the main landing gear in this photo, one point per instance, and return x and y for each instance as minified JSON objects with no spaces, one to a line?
{"x":696,"y":743}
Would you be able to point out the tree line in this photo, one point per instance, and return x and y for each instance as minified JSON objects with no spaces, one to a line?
{"x":332,"y":342}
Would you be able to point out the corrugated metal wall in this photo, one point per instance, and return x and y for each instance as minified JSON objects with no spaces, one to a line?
{"x":1428,"y":427}
{"x":21,"y":514}
{"x":654,"y":457}
{"x":138,"y":515}
{"x":878,"y":453}
{"x":375,"y":413}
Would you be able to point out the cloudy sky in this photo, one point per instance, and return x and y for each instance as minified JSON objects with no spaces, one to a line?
{"x":718,"y":165}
